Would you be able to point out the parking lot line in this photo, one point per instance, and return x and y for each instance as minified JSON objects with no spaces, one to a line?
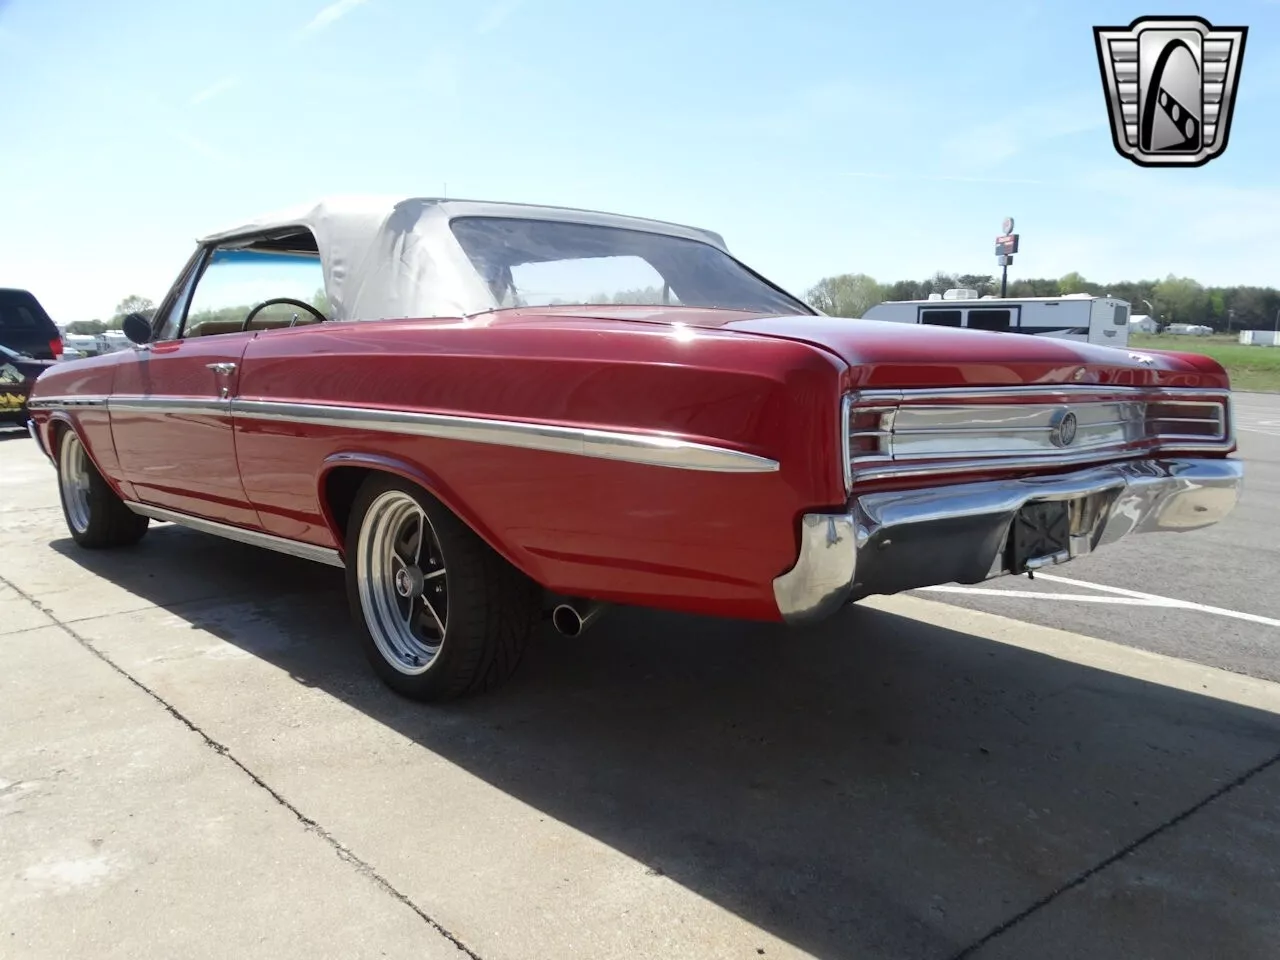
{"x":1118,"y":595}
{"x":1038,"y":595}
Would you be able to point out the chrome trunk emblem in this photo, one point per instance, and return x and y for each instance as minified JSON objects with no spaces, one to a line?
{"x":1062,"y":432}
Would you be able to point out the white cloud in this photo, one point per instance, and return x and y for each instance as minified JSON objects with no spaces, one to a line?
{"x":214,"y":90}
{"x":327,"y":16}
{"x":497,"y":15}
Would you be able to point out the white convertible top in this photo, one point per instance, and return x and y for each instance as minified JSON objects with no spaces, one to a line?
{"x":388,"y":257}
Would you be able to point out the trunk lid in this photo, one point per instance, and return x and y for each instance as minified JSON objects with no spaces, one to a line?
{"x":902,"y":355}
{"x":886,"y":355}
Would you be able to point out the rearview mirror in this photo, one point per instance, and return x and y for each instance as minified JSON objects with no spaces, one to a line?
{"x":137,"y":328}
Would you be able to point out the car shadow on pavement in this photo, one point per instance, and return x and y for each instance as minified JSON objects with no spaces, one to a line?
{"x":873,"y":787}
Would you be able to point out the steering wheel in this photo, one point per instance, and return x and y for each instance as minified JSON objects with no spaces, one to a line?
{"x":320,"y":317}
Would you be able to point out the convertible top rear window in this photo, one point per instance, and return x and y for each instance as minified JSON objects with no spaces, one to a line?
{"x":530,"y":262}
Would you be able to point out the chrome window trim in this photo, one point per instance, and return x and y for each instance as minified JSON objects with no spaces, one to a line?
{"x":624,"y":446}
{"x":254,"y":538}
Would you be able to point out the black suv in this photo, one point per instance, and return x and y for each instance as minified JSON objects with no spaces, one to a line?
{"x":26,"y":328}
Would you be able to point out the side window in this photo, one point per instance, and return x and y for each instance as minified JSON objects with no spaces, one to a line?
{"x":998,"y":320}
{"x":622,"y":279}
{"x":941,"y":318}
{"x":236,"y":281}
{"x":172,"y":322}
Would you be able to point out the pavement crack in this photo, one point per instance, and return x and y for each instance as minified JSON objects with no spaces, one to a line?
{"x":1086,"y":875}
{"x":343,"y":852}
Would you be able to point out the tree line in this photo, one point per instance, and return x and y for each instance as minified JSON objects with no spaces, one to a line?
{"x":144,"y":306}
{"x":1171,"y":300}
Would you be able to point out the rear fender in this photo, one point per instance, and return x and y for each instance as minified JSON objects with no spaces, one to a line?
{"x":414,"y":473}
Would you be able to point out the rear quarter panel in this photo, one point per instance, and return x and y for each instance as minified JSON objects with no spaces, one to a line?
{"x":631,"y":533}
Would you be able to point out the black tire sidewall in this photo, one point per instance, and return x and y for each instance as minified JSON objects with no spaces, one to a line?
{"x":88,"y":536}
{"x":450,"y":673}
{"x":111,"y":523}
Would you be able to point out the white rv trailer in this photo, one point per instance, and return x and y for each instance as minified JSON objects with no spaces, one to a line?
{"x":1102,"y":320}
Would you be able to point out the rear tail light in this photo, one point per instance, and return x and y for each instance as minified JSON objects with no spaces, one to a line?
{"x":55,"y":347}
{"x":1187,"y":421}
{"x":869,"y":430}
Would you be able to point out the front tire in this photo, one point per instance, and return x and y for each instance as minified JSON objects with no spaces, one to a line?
{"x":96,"y":517}
{"x":438,"y":612}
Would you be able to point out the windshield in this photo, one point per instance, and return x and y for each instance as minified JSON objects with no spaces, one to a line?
{"x":546,"y":262}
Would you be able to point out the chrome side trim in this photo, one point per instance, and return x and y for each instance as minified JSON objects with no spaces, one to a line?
{"x":907,"y":539}
{"x":65,"y":403}
{"x":190,"y":406}
{"x":254,"y":538}
{"x":1040,"y":390}
{"x":993,"y":464}
{"x":651,"y":449}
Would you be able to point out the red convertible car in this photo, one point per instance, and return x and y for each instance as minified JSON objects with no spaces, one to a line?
{"x":490,"y":412}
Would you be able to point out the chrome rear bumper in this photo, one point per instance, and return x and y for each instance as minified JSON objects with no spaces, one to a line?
{"x":890,"y":542}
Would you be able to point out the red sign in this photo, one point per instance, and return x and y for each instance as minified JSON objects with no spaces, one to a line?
{"x":1007,"y":244}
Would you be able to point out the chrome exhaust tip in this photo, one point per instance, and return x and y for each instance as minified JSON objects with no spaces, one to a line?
{"x":571,"y":619}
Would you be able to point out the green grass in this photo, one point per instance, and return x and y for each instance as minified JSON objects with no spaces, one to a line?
{"x":1251,"y":368}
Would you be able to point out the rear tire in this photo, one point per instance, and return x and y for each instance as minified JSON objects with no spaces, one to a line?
{"x":438,"y":612}
{"x":96,"y":517}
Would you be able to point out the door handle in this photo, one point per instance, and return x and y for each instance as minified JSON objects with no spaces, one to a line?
{"x":222,"y":368}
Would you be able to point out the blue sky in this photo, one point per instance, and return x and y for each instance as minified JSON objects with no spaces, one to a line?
{"x":819,"y":136}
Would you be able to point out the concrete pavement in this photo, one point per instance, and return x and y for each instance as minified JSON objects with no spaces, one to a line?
{"x":197,"y":762}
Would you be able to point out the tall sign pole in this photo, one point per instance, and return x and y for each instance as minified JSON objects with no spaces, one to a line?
{"x":1006,"y":247}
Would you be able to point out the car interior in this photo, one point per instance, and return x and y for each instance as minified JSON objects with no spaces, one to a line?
{"x":297,"y":246}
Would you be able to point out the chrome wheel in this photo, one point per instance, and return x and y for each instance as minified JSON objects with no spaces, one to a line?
{"x":73,"y":476}
{"x":401,"y":578}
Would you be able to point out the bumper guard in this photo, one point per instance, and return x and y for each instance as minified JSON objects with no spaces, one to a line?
{"x":885,"y":543}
